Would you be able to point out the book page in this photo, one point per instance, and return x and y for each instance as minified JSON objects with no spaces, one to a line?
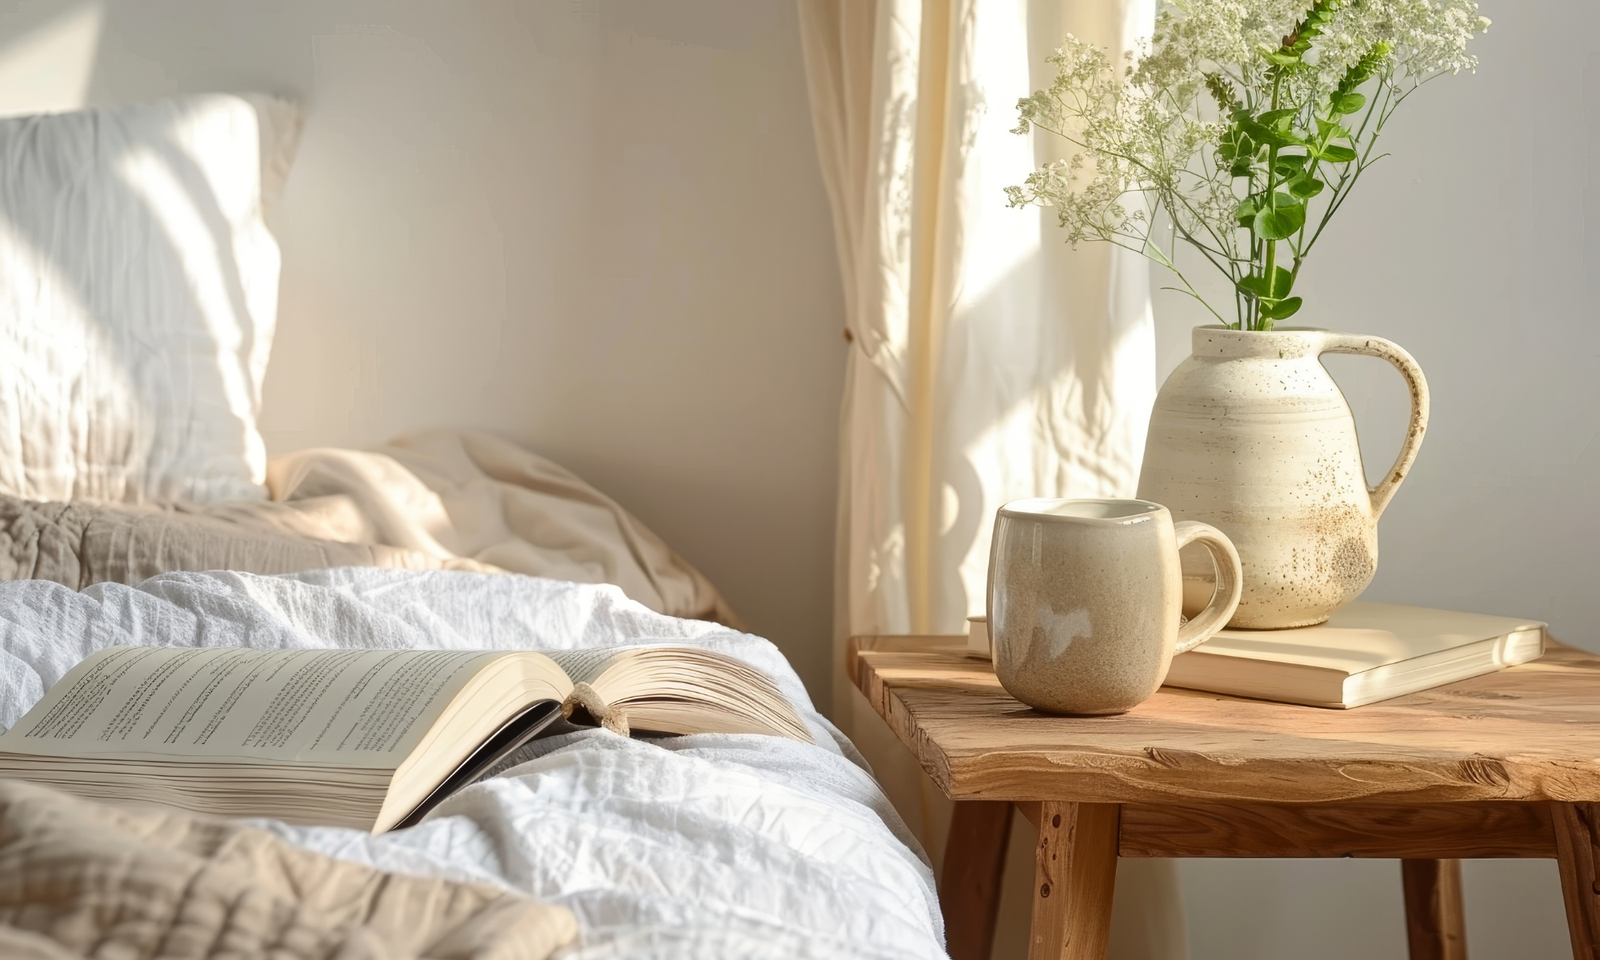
{"x":584,"y":665}
{"x":350,"y":707}
{"x":672,"y":688}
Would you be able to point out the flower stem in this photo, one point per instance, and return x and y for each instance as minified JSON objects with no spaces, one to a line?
{"x":1271,"y":266}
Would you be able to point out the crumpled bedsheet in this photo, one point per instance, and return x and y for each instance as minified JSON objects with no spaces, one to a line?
{"x":434,"y":500}
{"x":87,"y":880}
{"x":702,"y":846}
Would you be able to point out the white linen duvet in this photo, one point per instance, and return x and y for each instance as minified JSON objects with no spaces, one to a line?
{"x":704,"y":846}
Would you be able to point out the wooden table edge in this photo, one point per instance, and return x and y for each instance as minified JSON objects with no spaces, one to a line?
{"x":1038,"y":773}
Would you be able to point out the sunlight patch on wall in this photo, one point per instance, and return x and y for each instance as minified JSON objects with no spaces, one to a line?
{"x":48,"y":69}
{"x":171,"y":205}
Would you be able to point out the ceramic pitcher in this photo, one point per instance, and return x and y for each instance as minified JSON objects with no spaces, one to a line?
{"x":1251,"y":435}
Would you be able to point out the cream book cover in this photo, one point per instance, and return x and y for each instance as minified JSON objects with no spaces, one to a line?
{"x":1365,"y":652}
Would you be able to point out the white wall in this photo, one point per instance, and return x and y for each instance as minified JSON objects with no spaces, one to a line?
{"x":596,"y":227}
{"x":1476,"y":246}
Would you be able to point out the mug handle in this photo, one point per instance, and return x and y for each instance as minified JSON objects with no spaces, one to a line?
{"x":1416,"y":384}
{"x":1230,"y":583}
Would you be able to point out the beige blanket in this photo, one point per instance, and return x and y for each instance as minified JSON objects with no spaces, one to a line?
{"x":428,"y":501}
{"x":80,"y":880}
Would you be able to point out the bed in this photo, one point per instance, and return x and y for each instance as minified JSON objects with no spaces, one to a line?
{"x":137,"y":505}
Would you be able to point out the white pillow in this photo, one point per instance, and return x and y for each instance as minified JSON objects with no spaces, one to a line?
{"x":138,"y":296}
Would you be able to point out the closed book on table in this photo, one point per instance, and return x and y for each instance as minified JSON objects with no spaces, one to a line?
{"x":1365,"y":652}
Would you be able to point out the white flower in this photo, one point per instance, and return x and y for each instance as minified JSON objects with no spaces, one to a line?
{"x":1162,"y":141}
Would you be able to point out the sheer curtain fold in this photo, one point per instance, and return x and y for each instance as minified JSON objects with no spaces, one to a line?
{"x":989,"y":361}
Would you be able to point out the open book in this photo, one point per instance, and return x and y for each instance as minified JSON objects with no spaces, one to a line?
{"x":1364,"y":653}
{"x":358,"y":738}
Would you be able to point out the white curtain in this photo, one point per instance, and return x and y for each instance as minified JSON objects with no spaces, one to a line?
{"x":989,"y":360}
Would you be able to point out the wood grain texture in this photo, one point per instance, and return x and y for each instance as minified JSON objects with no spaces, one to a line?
{"x":1528,"y":733}
{"x":1075,"y":877}
{"x":1436,"y":919}
{"x":1471,"y":829}
{"x":1577,"y":829}
{"x":969,"y":882}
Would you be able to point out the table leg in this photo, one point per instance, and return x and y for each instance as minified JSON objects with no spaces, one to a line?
{"x":1576,"y":827}
{"x":969,"y":883}
{"x":1436,"y":925}
{"x":1074,"y":878}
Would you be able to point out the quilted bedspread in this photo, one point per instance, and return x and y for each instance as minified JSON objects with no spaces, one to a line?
{"x":87,"y":880}
{"x":438,"y":500}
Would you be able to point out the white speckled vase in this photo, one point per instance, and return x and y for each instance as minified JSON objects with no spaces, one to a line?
{"x":1251,"y":434}
{"x":1084,"y":599}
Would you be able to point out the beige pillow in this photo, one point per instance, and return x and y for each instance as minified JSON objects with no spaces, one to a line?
{"x":138,"y":297}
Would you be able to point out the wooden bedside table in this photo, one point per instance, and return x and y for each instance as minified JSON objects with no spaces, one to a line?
{"x":1504,"y":765}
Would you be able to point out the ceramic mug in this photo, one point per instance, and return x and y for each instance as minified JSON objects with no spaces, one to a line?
{"x":1086,"y":598}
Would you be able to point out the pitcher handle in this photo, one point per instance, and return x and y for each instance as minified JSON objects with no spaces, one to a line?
{"x":1416,"y":383}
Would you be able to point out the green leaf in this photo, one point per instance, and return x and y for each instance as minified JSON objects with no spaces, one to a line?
{"x":1306,"y":187}
{"x":1241,"y":168}
{"x":1275,"y":118}
{"x":1362,"y":70}
{"x":1343,"y":103}
{"x":1333,"y":153}
{"x":1230,"y":150}
{"x":1261,"y":133}
{"x":1290,"y":164}
{"x":1328,"y":130}
{"x":1279,"y":224}
{"x":1255,"y":285}
{"x":1279,"y":309}
{"x":1250,"y":126}
{"x":1282,"y":138}
{"x":1281,"y":57}
{"x":1246,"y":211}
{"x":1234,"y":145}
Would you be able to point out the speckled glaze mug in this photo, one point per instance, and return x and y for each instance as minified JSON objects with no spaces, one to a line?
{"x":1086,"y":599}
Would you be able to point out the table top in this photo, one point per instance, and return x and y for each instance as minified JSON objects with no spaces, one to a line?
{"x":1527,"y":733}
